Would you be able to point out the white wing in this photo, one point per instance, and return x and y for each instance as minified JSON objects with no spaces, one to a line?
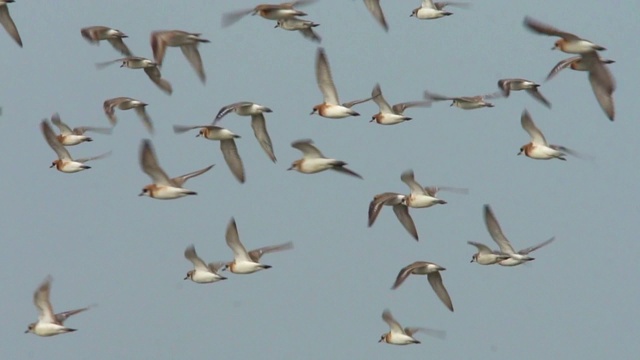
{"x":407,"y":177}
{"x":496,"y":232}
{"x":233,"y":241}
{"x":531,"y":129}
{"x":325,"y":80}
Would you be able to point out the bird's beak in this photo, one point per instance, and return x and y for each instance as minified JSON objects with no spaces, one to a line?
{"x":186,"y":277}
{"x":141,"y":194}
{"x":291,"y":168}
{"x":26,"y":331}
{"x":52,"y":165}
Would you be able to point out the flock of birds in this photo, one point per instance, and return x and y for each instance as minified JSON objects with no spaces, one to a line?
{"x":313,"y":161}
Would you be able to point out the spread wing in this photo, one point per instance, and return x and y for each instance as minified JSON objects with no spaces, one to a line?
{"x":52,"y":140}
{"x":527,"y":124}
{"x":154,"y":74}
{"x":435,"y":279}
{"x":191,"y":255}
{"x":324,"y":79}
{"x":376,"y":95}
{"x":308,"y":150}
{"x":408,"y":178}
{"x":374,"y":8}
{"x":61,"y":317}
{"x":193,"y":56}
{"x":259,"y":127}
{"x":41,"y":301}
{"x":496,"y":232}
{"x":402,"y":213}
{"x":535,"y":247}
{"x":150,"y":166}
{"x":233,"y":241}
{"x":542,"y":28}
{"x":232,"y":158}
{"x":256,"y":254}
{"x":563,"y":64}
{"x":64,"y":128}
{"x":8,"y":24}
{"x":393,"y":324}
{"x":180,"y":180}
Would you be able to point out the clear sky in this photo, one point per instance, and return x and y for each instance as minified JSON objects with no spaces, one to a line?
{"x":104,"y":245}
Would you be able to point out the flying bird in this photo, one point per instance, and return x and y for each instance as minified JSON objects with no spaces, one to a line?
{"x":313,"y":161}
{"x":429,"y":10}
{"x":95,"y":34}
{"x":399,"y":336}
{"x":163,"y":187}
{"x":568,"y":43}
{"x":424,"y":197}
{"x":49,"y":323}
{"x":522,"y":84}
{"x":574,"y":63}
{"x":391,"y":115}
{"x":331,"y":107}
{"x":258,"y":123}
{"x":305,"y":27}
{"x":75,"y":136}
{"x":538,"y":148}
{"x":465,"y":102}
{"x":127,"y":103}
{"x":150,"y":68}
{"x":247,"y":262}
{"x":227,"y":145}
{"x":188,"y":43}
{"x":202,"y":273}
{"x":65,"y":163}
{"x":432,"y":270}
{"x":398,"y":202}
{"x":267,"y":11}
{"x":486,"y":256}
{"x":515,"y":258}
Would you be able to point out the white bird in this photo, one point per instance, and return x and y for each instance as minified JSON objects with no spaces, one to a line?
{"x":331,"y":107}
{"x":75,"y":136}
{"x":538,"y":148}
{"x":515,"y":258}
{"x":486,"y":256}
{"x":399,"y":336}
{"x":247,"y":262}
{"x":163,"y":187}
{"x":227,"y":145}
{"x":391,"y":115}
{"x":313,"y":161}
{"x":305,"y":27}
{"x":65,"y":163}
{"x":422,"y":197}
{"x":49,"y":323}
{"x":202,"y":273}
{"x":429,"y":10}
{"x":258,"y":123}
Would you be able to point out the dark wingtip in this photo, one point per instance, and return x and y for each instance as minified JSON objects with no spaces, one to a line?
{"x":192,"y":193}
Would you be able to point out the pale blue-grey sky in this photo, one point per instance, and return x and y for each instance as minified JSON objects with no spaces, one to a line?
{"x":322,"y":300}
